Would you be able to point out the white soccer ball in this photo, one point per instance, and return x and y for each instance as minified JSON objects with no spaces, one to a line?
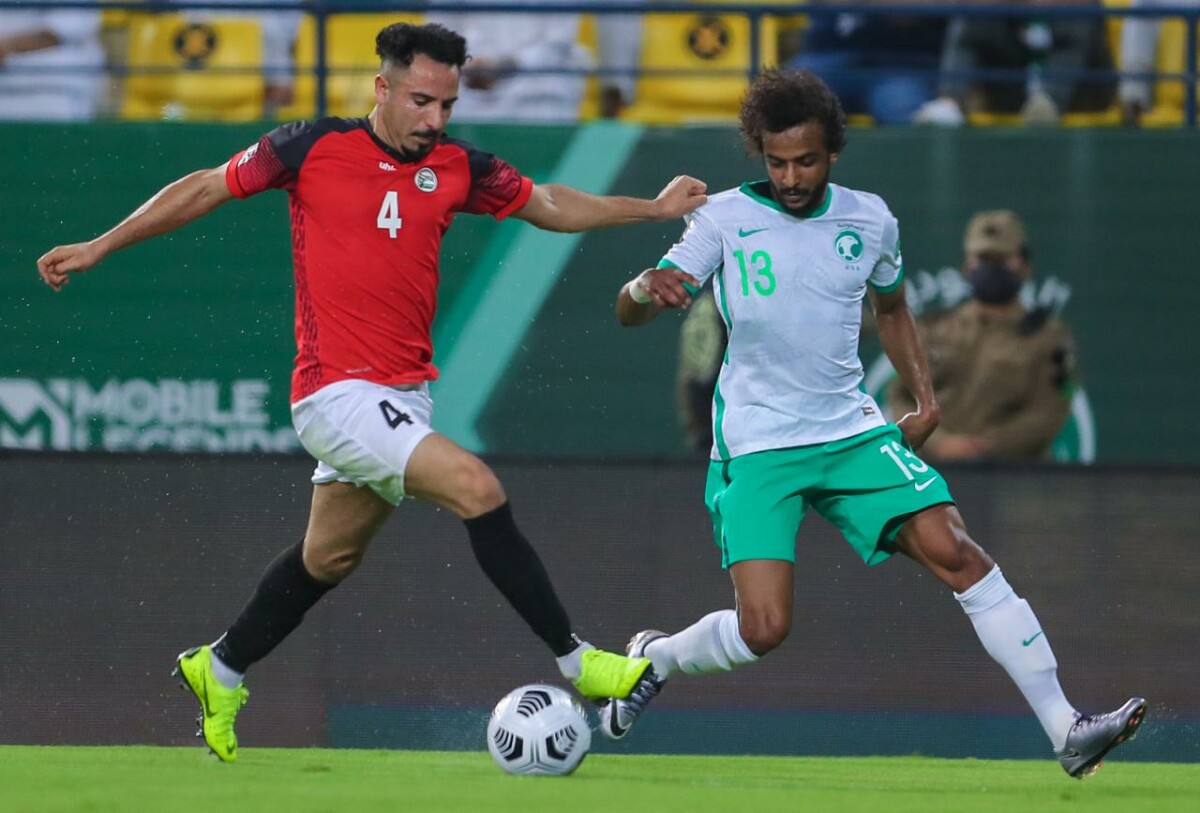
{"x":538,"y":729}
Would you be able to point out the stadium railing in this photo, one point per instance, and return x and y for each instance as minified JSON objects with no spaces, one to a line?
{"x":695,"y":59}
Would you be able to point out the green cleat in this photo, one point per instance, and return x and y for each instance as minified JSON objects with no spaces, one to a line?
{"x":219,"y":706}
{"x":605,"y":674}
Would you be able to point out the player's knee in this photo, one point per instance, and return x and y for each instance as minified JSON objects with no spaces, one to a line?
{"x":970,"y":564}
{"x":764,"y":631}
{"x":332,"y":566}
{"x":477,"y":489}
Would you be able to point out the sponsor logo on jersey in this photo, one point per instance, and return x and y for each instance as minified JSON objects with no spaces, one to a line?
{"x":747,"y":232}
{"x":386,"y":167}
{"x":848,"y":245}
{"x":426,"y":179}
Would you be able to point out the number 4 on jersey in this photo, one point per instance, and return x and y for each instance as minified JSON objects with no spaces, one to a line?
{"x":389,"y":214}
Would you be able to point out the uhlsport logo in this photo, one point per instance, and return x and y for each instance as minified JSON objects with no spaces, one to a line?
{"x":69,"y":414}
{"x":848,"y":245}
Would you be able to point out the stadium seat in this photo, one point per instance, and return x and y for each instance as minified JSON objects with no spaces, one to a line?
{"x":351,"y":60}
{"x":1101,"y":118}
{"x":203,"y":70}
{"x":589,"y":107}
{"x":1170,"y":95}
{"x":696,"y":66}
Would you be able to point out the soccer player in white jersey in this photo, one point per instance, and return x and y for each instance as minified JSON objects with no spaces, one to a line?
{"x":790,"y":260}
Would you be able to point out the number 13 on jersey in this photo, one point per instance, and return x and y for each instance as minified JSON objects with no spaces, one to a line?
{"x":389,"y":213}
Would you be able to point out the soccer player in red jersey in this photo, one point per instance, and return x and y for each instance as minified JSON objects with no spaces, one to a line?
{"x":370,"y":199}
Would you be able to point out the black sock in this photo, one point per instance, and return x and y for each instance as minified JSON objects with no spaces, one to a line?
{"x":514,"y":567}
{"x":284,"y":594}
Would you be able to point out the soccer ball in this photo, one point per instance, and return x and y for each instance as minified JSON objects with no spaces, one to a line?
{"x":538,"y":729}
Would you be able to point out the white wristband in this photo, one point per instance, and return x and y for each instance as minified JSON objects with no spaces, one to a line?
{"x":637,"y":293}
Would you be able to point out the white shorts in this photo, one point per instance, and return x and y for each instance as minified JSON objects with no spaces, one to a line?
{"x":364,"y":433}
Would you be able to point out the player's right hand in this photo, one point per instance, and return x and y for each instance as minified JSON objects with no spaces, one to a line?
{"x":665,"y":286}
{"x":58,"y":262}
{"x":682,"y":195}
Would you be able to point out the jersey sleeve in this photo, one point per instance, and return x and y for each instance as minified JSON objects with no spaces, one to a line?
{"x":699,"y":251}
{"x":497,"y":188}
{"x":271,"y":163}
{"x":889,"y":269}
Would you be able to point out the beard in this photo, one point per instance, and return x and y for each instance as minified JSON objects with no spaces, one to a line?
{"x":811,"y":197}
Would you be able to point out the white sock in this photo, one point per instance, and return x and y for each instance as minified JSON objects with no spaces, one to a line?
{"x":712,"y":644}
{"x":1012,"y":635}
{"x":224,"y":675}
{"x":571,"y":664}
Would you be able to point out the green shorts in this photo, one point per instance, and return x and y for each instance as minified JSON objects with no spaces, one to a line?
{"x":867,"y":485}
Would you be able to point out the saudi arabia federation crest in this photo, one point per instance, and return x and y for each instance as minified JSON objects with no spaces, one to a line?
{"x":848,"y":245}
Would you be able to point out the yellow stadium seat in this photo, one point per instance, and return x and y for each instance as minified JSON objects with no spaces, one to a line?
{"x":350,"y":58}
{"x":692,"y":48}
{"x":589,"y":107}
{"x":193,"y":70}
{"x":1170,"y":95}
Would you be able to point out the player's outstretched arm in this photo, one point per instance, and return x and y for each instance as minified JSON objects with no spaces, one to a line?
{"x":175,"y":205}
{"x":556,"y":207}
{"x":900,"y":340}
{"x":649,"y":293}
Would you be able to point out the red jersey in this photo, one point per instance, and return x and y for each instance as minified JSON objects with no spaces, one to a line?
{"x":367,"y":226}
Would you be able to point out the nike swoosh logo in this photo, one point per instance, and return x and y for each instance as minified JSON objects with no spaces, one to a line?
{"x":616,"y":730}
{"x":924,"y":485}
{"x":748,"y":232}
{"x":1030,"y":640}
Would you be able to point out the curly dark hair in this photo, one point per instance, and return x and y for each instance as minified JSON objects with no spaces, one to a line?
{"x":400,"y":42}
{"x":781,"y":99}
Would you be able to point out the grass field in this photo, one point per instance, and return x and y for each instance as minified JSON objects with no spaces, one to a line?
{"x":332,"y":781}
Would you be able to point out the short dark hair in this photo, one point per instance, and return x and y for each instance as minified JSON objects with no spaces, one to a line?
{"x":779,"y":100}
{"x":399,"y":43}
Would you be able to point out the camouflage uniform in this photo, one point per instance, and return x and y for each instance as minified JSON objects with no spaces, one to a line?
{"x":1007,"y":377}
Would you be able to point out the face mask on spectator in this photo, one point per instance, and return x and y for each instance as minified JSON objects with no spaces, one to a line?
{"x":994,"y":283}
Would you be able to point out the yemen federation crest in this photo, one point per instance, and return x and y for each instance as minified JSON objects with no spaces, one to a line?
{"x":848,"y":245}
{"x":426,"y":179}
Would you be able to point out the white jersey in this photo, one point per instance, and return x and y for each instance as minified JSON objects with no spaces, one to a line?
{"x":791,"y":292}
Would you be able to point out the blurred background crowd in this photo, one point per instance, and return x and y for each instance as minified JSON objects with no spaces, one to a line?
{"x":1024,"y":62}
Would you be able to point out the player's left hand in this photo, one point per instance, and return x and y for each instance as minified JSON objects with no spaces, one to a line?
{"x":918,"y":426}
{"x":682,"y":195}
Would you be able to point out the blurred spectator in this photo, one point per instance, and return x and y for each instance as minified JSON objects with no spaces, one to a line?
{"x":523,"y":67}
{"x":882,"y":65}
{"x":1036,"y":50}
{"x":1002,"y":373}
{"x":618,"y":56}
{"x":279,"y":30}
{"x":51,"y":63}
{"x":1139,"y":52}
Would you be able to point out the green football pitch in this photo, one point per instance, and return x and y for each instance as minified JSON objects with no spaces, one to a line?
{"x":37,"y":779}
